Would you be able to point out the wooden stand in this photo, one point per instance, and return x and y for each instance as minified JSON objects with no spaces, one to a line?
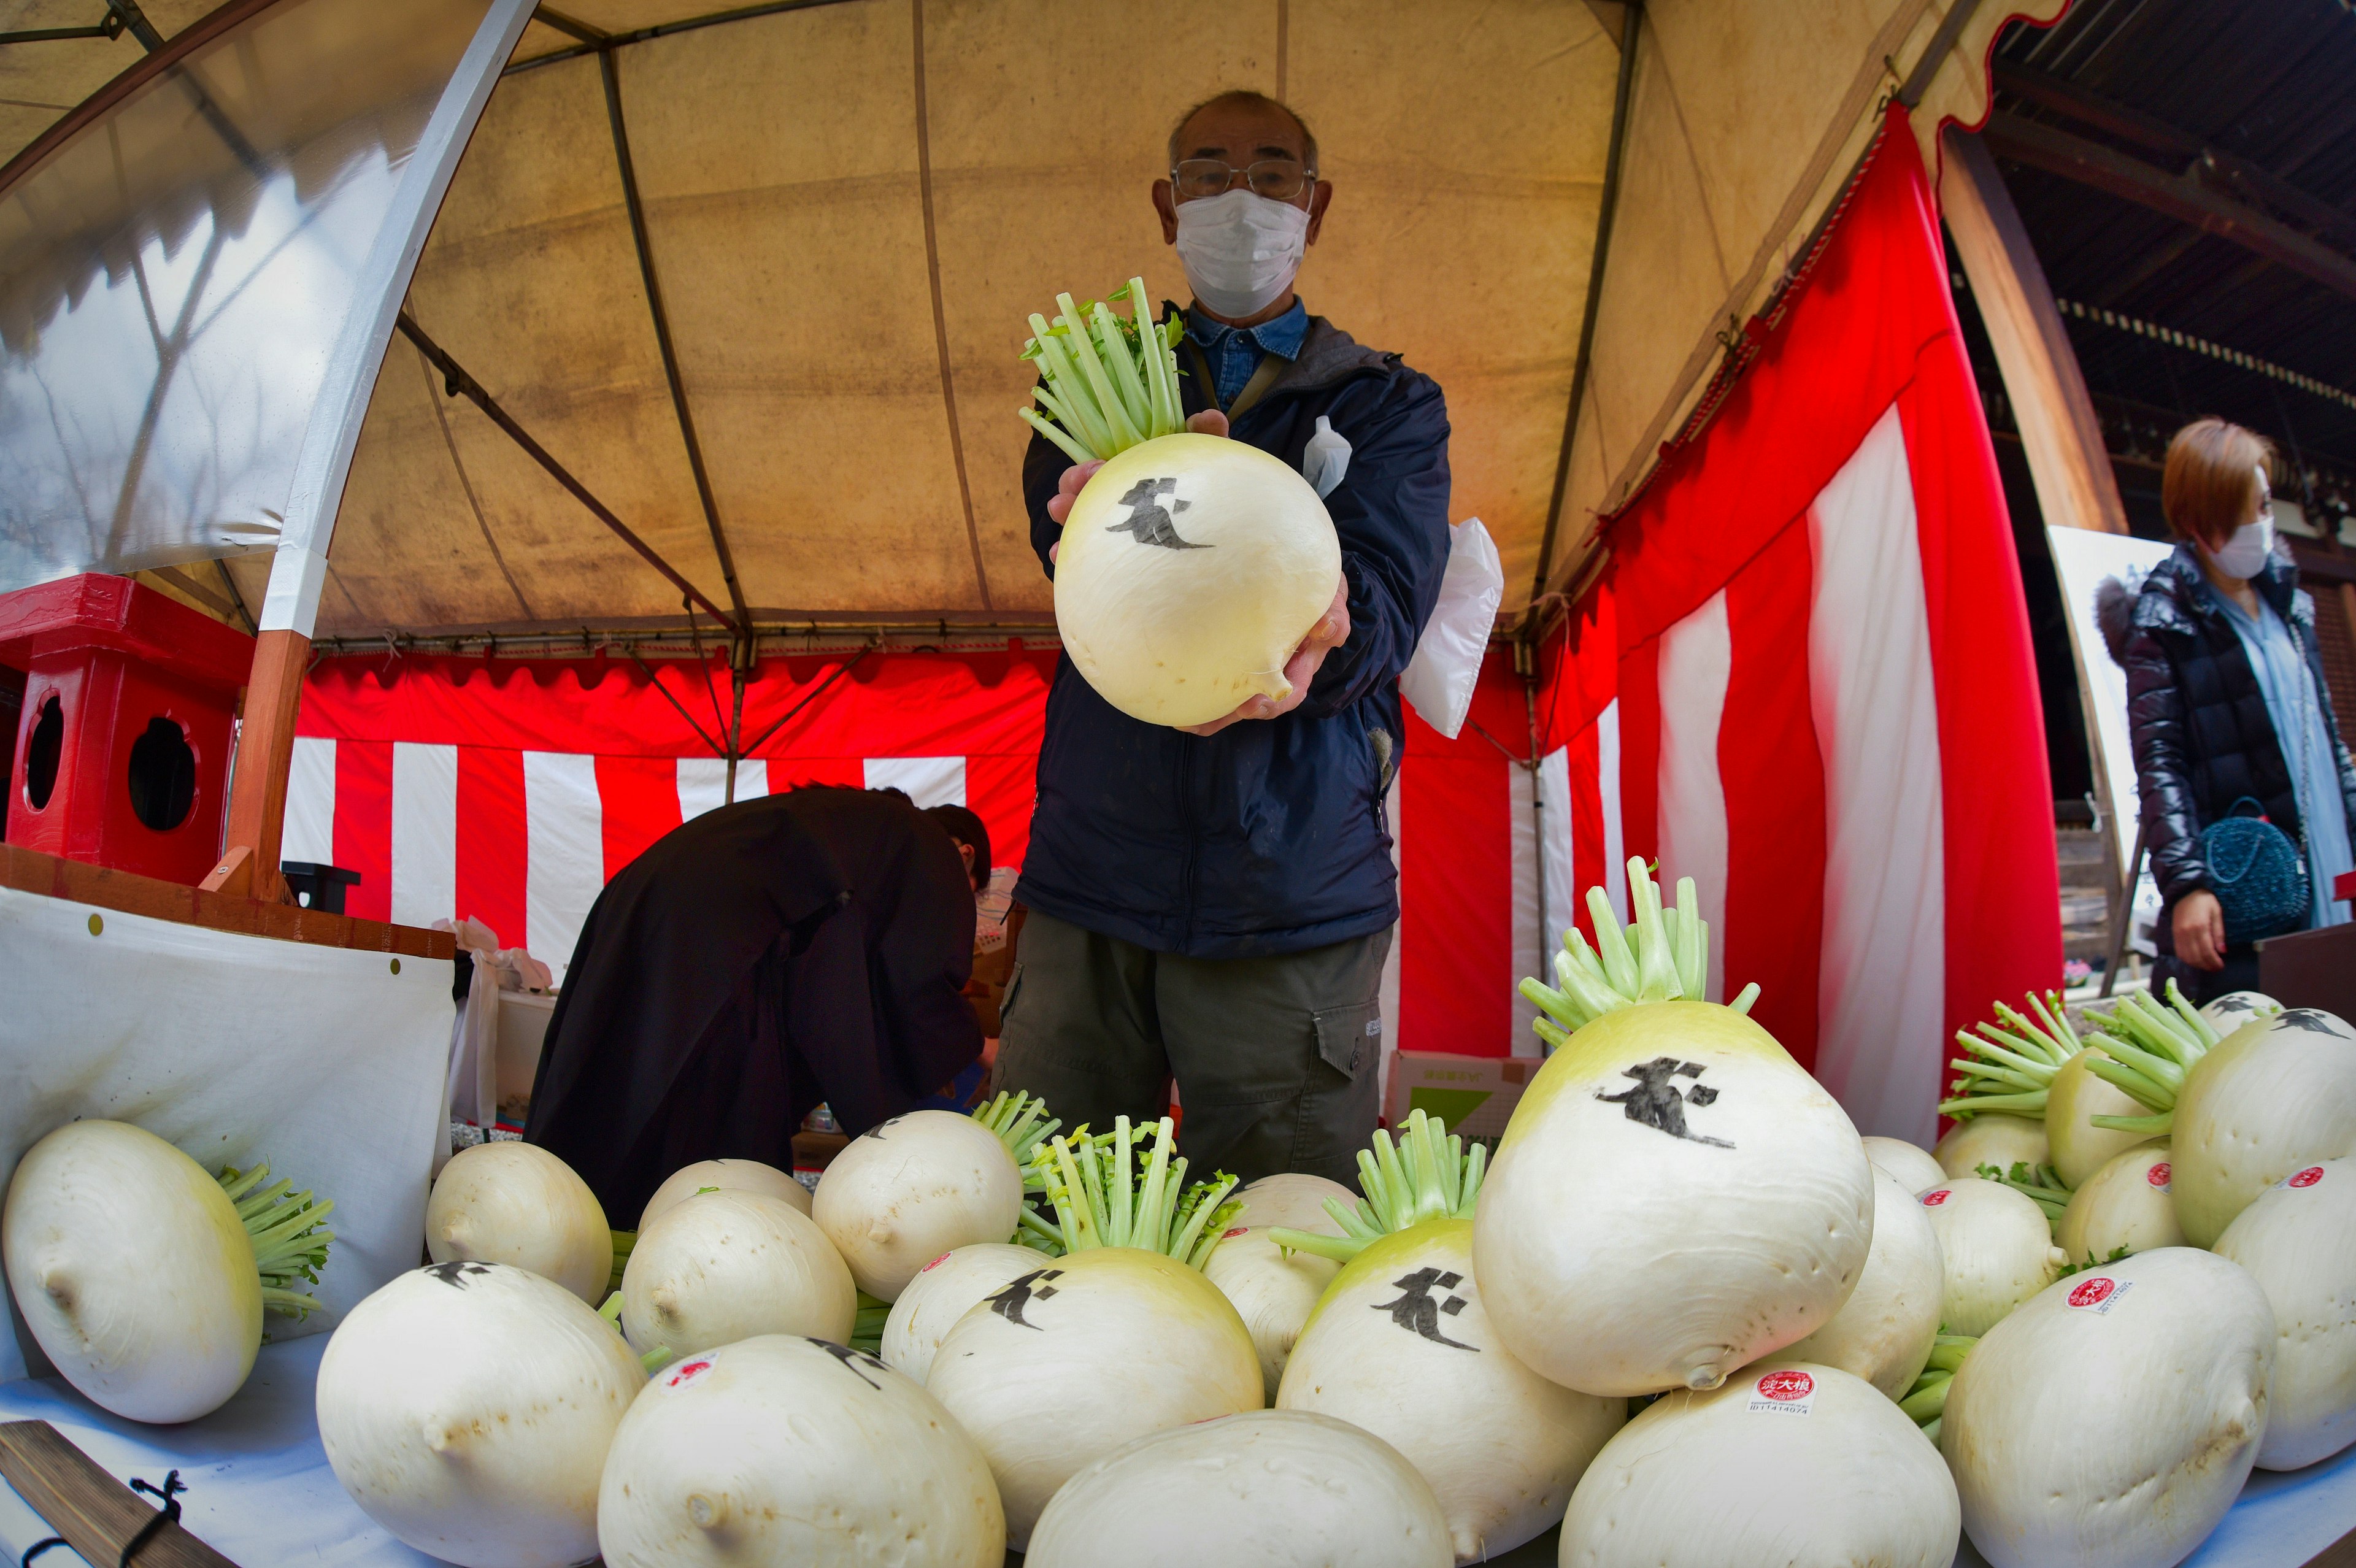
{"x":97,"y":1515}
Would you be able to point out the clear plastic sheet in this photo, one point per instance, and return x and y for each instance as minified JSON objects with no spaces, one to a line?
{"x":175,"y":278}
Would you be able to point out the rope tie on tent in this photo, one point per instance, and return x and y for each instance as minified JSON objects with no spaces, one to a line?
{"x":169,"y":1514}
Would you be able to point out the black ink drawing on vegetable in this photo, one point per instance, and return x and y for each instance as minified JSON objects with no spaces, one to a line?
{"x":1654,"y":1101}
{"x":1419,"y":1314}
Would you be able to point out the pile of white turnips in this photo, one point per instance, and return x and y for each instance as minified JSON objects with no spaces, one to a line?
{"x":1685,"y":1313}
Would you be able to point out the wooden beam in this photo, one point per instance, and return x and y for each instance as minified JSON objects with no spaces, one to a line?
{"x":2180,"y":197}
{"x":265,"y":751}
{"x":2075,"y":486}
{"x":127,"y":893}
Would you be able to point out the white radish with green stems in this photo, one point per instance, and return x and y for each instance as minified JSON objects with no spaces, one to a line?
{"x":724,"y":1266}
{"x":2128,"y":1206}
{"x":785,"y":1450}
{"x":2297,"y":1240}
{"x":1120,"y":1337}
{"x":144,"y":1279}
{"x":2110,"y":1422}
{"x":1267,"y":1489}
{"x":2240,"y":1112}
{"x":2231,"y":1012}
{"x":1673,"y":1195}
{"x":2030,"y":1065}
{"x":1992,"y":1138}
{"x":724,"y":1176}
{"x":511,"y":1202}
{"x":1276,"y":1288}
{"x":1291,"y":1197}
{"x":1884,"y":1331}
{"x":943,"y":1289}
{"x":1996,"y":1251}
{"x":1789,"y":1462}
{"x":466,"y":1407}
{"x":1400,"y":1346}
{"x":908,"y":1190}
{"x":1273,"y":1288}
{"x":1190,"y":566}
{"x":1914,"y":1168}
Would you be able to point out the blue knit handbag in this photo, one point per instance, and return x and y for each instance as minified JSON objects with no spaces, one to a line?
{"x":2258,"y":875}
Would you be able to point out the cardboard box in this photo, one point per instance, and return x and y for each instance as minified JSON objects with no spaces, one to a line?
{"x":1472,"y":1095}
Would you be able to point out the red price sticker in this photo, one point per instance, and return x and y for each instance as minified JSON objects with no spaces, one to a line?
{"x":1936,"y":1195}
{"x":687,"y":1372}
{"x":2304,"y":1179}
{"x":2159,"y":1174}
{"x":1785,"y":1391}
{"x":2098,"y":1293}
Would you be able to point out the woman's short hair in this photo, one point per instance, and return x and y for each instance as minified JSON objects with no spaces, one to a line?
{"x":2210,"y":484}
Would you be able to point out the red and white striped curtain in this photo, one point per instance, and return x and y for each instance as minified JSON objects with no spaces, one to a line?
{"x":1806,"y":682}
{"x":510,"y":792}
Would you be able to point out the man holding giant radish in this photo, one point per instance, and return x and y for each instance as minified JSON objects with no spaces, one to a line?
{"x":1209,"y":881}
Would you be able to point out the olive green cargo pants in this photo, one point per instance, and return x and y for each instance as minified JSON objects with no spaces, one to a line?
{"x":1276,"y":1058}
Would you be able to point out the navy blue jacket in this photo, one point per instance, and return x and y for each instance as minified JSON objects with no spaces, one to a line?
{"x":1267,"y":838}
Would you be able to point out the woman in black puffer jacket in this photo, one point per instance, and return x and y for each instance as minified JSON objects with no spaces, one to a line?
{"x":2227,"y":701}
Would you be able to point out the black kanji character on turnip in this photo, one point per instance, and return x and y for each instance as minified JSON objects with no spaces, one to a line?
{"x":1654,"y":1101}
{"x":1418,"y":1313}
{"x":1008,"y":1302}
{"x":1149,"y":522}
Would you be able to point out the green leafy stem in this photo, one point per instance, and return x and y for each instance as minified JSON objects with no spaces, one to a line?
{"x":2008,"y":1066}
{"x":289,"y":1244}
{"x":1423,"y":1177}
{"x":1661,"y":956}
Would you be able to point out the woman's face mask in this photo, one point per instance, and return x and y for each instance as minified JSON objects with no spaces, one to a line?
{"x":2245,"y":555}
{"x":1240,"y":250}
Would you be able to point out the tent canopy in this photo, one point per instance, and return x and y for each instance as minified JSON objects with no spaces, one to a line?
{"x":850,"y":207}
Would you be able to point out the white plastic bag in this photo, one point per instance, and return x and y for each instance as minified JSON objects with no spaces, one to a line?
{"x":1326,"y":459}
{"x":1438,"y":681}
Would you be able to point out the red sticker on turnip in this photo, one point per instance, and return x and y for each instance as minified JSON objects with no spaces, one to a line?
{"x":1788,"y":1391}
{"x":935,"y":1264}
{"x":2159,"y":1174}
{"x":687,"y":1372}
{"x":1933,"y":1199}
{"x":2098,"y":1295}
{"x":1231,"y":1235}
{"x":2303,"y":1179}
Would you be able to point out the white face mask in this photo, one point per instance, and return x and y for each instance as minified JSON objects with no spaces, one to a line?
{"x":1240,"y":250}
{"x":2245,"y":555}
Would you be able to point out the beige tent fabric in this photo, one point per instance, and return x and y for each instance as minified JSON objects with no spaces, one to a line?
{"x":852,"y":207}
{"x":1745,"y":119}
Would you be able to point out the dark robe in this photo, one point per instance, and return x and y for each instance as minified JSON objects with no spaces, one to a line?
{"x":774,"y":953}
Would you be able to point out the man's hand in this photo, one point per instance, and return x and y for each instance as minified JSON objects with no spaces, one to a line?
{"x":1332,"y":630}
{"x":2200,"y":928}
{"x":1067,"y":489}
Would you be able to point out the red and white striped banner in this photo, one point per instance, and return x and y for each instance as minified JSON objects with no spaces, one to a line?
{"x":510,"y":793}
{"x":1806,"y":681}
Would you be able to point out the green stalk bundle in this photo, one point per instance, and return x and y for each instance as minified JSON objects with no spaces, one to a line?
{"x":1017,"y":1121}
{"x":1926,"y":1401}
{"x":1109,"y":382}
{"x":1423,"y":1177}
{"x":1111,"y":1191}
{"x":2148,"y":1050}
{"x":2042,"y":1185}
{"x":2010,"y":1065}
{"x":289,"y":1244}
{"x":1662,"y":956}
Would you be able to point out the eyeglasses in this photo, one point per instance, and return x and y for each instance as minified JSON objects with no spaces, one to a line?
{"x":1279,"y":179}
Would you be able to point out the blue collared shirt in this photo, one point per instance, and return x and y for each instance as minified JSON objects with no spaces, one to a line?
{"x":1235,"y":352}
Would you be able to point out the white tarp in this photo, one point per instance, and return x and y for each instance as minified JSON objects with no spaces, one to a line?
{"x":321,"y":1061}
